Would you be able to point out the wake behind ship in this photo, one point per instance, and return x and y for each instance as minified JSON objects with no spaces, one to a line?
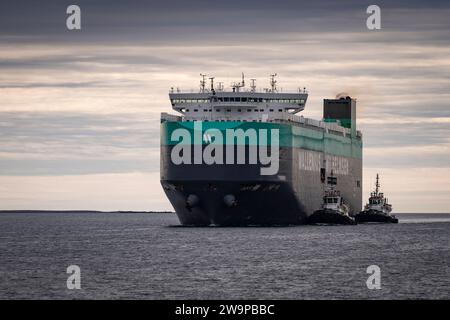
{"x":244,"y":157}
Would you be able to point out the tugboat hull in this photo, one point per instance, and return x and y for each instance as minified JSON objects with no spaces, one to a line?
{"x":330,"y":217}
{"x":374,"y":216}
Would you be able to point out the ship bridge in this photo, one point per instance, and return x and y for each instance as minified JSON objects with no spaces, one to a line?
{"x":238,"y":103}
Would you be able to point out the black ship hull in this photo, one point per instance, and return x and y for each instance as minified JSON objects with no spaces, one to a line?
{"x":234,"y":203}
{"x":374,"y":216}
{"x":327,"y":216}
{"x":239,"y":195}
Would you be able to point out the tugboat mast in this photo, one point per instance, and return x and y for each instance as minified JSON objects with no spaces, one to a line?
{"x":377,"y":185}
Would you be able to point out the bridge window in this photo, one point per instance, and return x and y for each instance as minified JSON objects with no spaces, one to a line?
{"x":271,"y":110}
{"x":226,"y":99}
{"x":244,"y":99}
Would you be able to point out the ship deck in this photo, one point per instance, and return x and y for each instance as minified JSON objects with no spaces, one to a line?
{"x":285,"y":118}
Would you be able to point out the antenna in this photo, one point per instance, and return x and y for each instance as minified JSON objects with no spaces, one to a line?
{"x":237,"y":85}
{"x":212,"y":84}
{"x":202,"y":82}
{"x":273,"y":82}
{"x":253,"y":86}
{"x":377,"y":185}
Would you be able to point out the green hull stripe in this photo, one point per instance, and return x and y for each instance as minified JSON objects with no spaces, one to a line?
{"x":290,"y":136}
{"x":346,"y":123}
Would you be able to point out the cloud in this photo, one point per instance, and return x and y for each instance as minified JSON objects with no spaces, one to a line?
{"x":87,"y":84}
{"x":86,"y":104}
{"x":77,"y":143}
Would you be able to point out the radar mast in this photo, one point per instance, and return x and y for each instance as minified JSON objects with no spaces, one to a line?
{"x":253,"y":86}
{"x":237,"y":85}
{"x":202,"y":82}
{"x":273,"y":82}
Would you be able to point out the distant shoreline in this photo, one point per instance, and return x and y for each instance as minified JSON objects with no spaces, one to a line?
{"x":80,"y":211}
{"x":168,"y":212}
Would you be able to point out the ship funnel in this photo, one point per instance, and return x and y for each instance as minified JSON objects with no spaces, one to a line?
{"x":342,"y":109}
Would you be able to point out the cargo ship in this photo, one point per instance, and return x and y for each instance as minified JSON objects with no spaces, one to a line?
{"x":243,"y":156}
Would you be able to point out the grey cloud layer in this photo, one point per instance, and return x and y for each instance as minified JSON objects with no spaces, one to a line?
{"x":70,"y":143}
{"x":200,"y":20}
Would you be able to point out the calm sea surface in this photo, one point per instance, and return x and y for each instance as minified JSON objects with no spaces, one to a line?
{"x":143,"y":256}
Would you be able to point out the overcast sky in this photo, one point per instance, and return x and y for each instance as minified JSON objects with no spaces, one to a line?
{"x":79,"y":110}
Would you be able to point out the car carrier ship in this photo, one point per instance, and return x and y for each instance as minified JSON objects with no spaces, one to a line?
{"x":243,"y":156}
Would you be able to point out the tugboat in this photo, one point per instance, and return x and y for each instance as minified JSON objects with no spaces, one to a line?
{"x":378,"y":209}
{"x":334,"y":210}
